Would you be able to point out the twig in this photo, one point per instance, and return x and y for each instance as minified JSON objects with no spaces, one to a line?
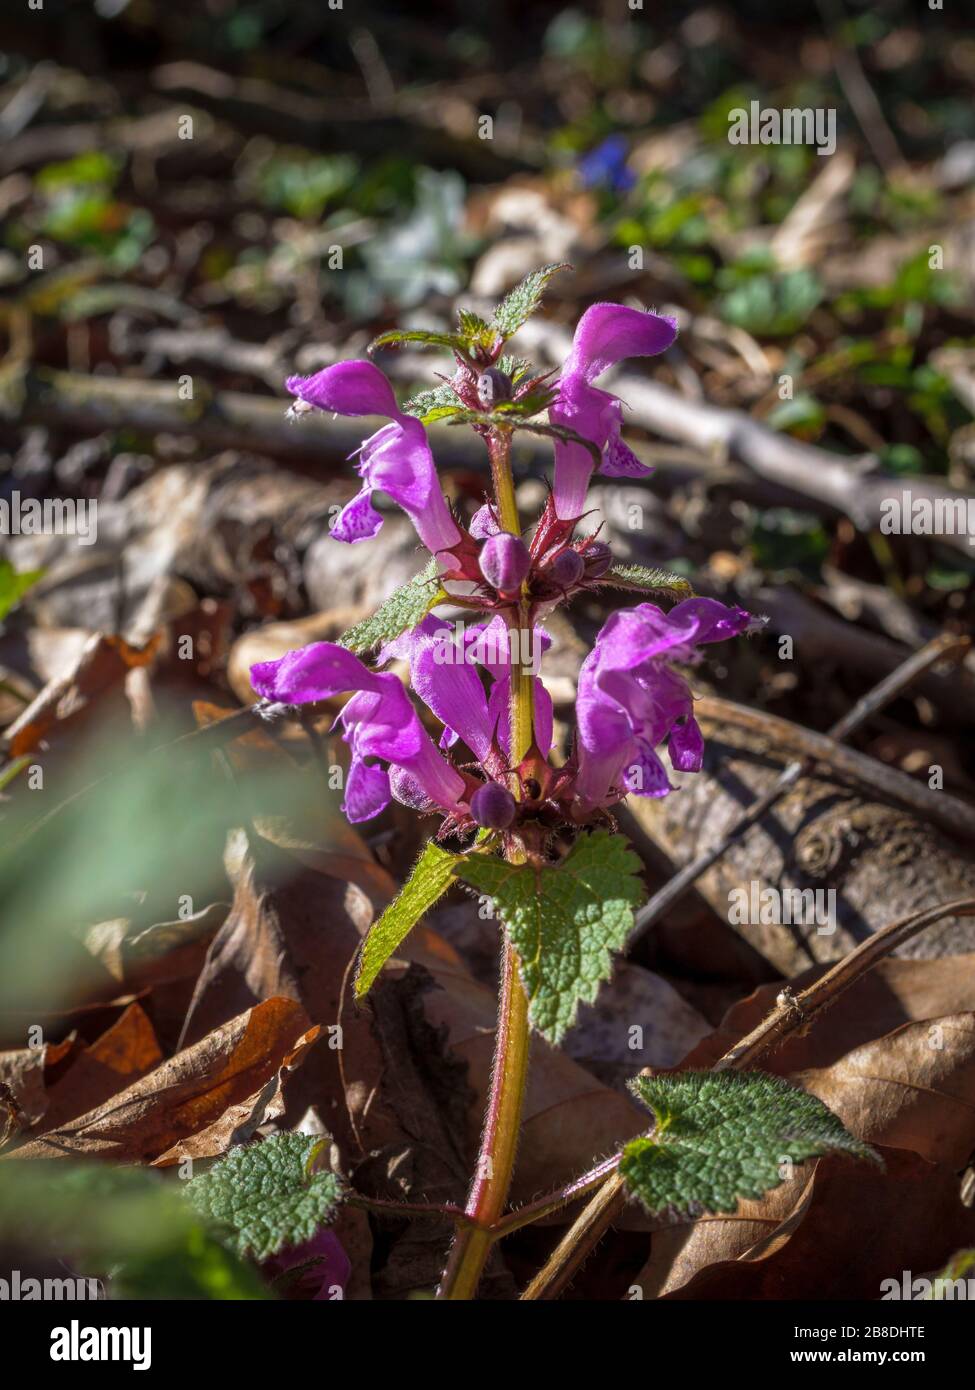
{"x":795,"y":1012}
{"x":881,"y":695}
{"x":800,"y":1009}
{"x":954,"y":816}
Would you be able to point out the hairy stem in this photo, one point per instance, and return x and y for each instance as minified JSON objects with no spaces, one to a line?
{"x":499,"y":452}
{"x":499,"y":1138}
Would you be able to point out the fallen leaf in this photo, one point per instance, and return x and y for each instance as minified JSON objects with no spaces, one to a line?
{"x":912,"y":1089}
{"x":850,"y":1229}
{"x":185,"y":1094}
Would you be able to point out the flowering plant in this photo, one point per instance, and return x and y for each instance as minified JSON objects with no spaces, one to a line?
{"x":536,"y":834}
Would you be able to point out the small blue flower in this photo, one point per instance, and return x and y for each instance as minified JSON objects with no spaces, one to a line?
{"x":605,"y":166}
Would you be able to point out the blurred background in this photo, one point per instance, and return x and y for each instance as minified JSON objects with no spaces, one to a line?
{"x":198,"y":200}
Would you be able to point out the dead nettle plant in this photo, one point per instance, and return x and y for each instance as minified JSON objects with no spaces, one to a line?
{"x":537,"y":838}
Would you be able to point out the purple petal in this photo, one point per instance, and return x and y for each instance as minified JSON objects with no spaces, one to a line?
{"x":607,"y":333}
{"x":645,"y":774}
{"x":621,"y":462}
{"x":312,"y":673}
{"x":358,"y":520}
{"x":348,"y":388}
{"x":484,"y":523}
{"x":329,"y":1266}
{"x":398,"y":459}
{"x":367,"y":791}
{"x":449,"y":685}
{"x":686,"y":746}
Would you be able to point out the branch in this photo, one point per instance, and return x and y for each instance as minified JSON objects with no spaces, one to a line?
{"x":876,"y":699}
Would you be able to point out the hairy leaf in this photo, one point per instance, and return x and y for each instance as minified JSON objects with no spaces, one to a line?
{"x":427,"y":405}
{"x":405,"y":608}
{"x":518,"y":306}
{"x":13,"y":586}
{"x":480,"y":337}
{"x":269,"y":1194}
{"x":432,"y":875}
{"x":722,"y":1136}
{"x":640,"y":579}
{"x":564,"y":921}
{"x":396,"y":337}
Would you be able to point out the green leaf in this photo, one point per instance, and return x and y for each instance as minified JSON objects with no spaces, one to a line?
{"x":429,"y":404}
{"x":396,"y":337}
{"x":269,"y":1194}
{"x":13,"y":586}
{"x":722,"y":1136}
{"x":129,"y":1224}
{"x":564,"y":921}
{"x":518,"y":306}
{"x":405,"y":608}
{"x":480,"y":337}
{"x":432,"y":875}
{"x":640,"y":579}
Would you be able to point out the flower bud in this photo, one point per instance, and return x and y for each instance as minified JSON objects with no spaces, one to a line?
{"x":565,"y":570}
{"x":493,"y":386}
{"x":597,"y":558}
{"x":505,"y":561}
{"x":493,"y":807}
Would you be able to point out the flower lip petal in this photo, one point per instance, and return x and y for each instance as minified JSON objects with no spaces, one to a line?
{"x":607,"y":333}
{"x":348,"y":388}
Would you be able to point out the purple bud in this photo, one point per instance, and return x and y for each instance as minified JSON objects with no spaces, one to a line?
{"x":565,"y":570}
{"x":505,"y":561}
{"x":598,"y":558}
{"x":493,"y":386}
{"x":493,"y":807}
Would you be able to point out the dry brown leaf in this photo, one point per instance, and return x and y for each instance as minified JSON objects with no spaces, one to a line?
{"x":127,"y":1050}
{"x":913,"y":1089}
{"x":850,"y":1228}
{"x":893,"y":993}
{"x":101,"y":668}
{"x":23,"y":1070}
{"x":187,"y":1093}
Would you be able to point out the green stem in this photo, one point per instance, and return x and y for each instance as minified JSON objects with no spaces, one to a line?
{"x":499,"y":1138}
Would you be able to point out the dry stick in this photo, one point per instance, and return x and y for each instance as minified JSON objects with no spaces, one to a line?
{"x":876,"y":699}
{"x":794,"y":1011}
{"x":954,"y":816}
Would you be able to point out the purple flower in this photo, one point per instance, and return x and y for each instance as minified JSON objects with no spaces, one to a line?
{"x":444,"y":662}
{"x":327,"y":1267}
{"x":604,"y":335}
{"x":396,"y":459}
{"x":630,"y":700}
{"x":379,"y":724}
